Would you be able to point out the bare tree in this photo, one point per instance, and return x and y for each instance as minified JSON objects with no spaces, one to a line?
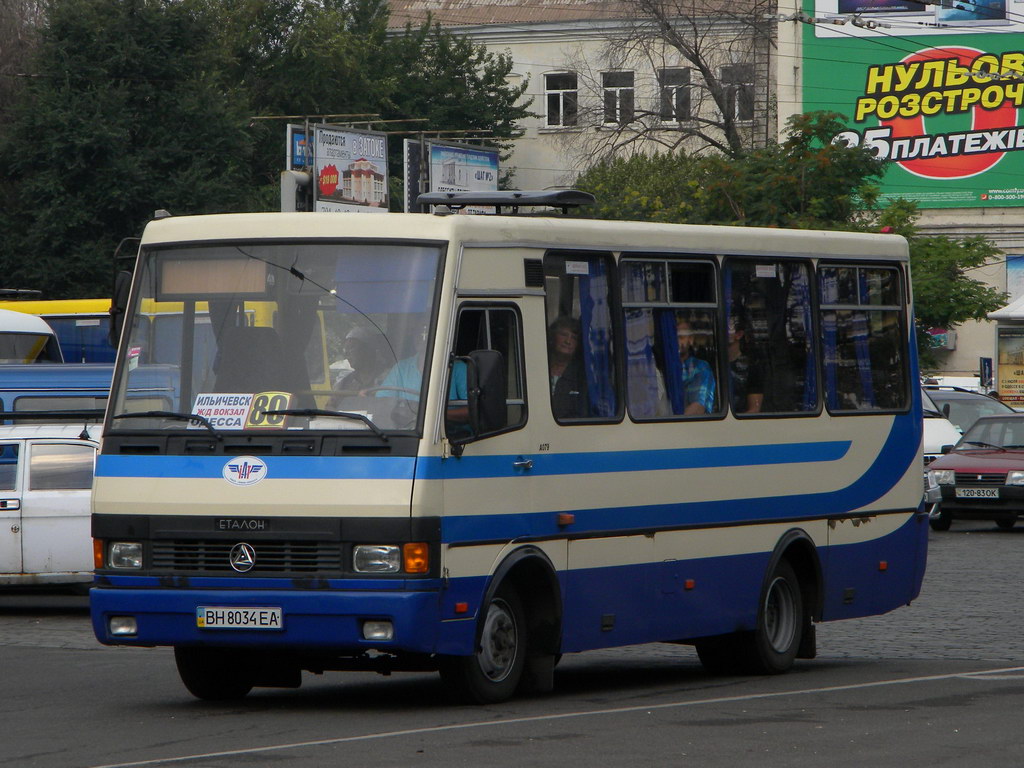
{"x":19,"y":20}
{"x":682,"y":75}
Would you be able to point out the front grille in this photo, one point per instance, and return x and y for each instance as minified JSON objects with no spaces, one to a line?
{"x":271,"y":556}
{"x":981,"y":478}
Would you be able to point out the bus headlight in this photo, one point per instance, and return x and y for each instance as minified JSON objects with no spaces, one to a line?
{"x":376,"y":558}
{"x":942,"y":476}
{"x":125,"y":554}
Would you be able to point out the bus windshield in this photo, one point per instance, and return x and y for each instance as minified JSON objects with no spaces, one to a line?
{"x":287,"y":336}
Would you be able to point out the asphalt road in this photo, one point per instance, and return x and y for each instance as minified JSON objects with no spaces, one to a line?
{"x":940,"y":683}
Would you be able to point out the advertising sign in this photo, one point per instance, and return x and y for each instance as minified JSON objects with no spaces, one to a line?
{"x":351,"y":170}
{"x":450,"y":168}
{"x":299,"y":153}
{"x":934,"y":87}
{"x":1010,"y":342}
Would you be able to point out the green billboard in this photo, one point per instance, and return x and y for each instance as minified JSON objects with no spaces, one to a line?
{"x":934,"y":87}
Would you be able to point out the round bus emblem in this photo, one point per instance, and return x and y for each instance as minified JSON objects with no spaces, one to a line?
{"x":244,"y":470}
{"x":242,"y":557}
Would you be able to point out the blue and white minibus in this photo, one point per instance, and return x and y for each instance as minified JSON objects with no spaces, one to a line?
{"x":545,"y":436}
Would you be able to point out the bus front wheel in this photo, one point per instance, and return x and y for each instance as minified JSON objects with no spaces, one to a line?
{"x":213,"y":674}
{"x":492,"y":674}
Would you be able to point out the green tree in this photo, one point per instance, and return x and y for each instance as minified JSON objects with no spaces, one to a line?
{"x":127,"y":111}
{"x":945,"y":295}
{"x":659,"y":187}
{"x":806,"y":181}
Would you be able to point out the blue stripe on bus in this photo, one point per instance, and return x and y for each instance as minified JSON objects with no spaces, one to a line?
{"x":897,"y":454}
{"x":548,"y":464}
{"x":478,"y":467}
{"x":278,"y":467}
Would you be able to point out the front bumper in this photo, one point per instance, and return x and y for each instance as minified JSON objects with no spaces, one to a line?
{"x":1010,"y":501}
{"x":313,"y":620}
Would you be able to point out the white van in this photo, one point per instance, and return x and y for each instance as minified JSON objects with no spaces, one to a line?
{"x":938,"y":430}
{"x":46,"y":473}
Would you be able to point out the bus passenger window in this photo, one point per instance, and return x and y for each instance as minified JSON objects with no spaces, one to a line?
{"x":864,"y":338}
{"x":670,"y":313}
{"x":581,"y":350}
{"x":772,"y":366}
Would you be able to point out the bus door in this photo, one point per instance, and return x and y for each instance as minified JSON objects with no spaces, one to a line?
{"x":488,"y":492}
{"x":57,"y":482}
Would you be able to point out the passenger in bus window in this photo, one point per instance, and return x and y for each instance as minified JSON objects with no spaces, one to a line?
{"x":565,"y":372}
{"x":698,"y":380}
{"x":746,"y":374}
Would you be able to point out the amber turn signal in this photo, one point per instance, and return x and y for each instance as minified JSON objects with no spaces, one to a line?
{"x":416,"y":557}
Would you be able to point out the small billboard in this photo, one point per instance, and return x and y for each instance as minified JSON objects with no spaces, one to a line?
{"x":350,"y":170}
{"x":449,"y":168}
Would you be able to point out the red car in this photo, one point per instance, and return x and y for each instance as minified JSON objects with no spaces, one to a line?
{"x":982,"y":477}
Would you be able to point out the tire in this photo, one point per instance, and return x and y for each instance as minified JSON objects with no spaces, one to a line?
{"x":493,"y":673}
{"x":1006,"y":522}
{"x":942,"y":522}
{"x":213,"y":674}
{"x":772,"y":647}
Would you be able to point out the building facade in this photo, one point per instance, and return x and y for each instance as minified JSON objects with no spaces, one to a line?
{"x":601,"y":83}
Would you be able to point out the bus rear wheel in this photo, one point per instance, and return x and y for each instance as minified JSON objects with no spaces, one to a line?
{"x":492,"y":674}
{"x":213,"y":674}
{"x":772,"y":647}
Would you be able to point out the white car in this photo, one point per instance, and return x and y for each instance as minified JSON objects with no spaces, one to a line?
{"x":938,"y":432}
{"x":46,"y":474}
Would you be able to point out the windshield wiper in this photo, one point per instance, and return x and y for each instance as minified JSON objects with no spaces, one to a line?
{"x":983,"y":444}
{"x":322,"y":412}
{"x":189,"y":417}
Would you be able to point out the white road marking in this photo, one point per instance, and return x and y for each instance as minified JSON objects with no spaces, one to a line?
{"x":1004,"y":673}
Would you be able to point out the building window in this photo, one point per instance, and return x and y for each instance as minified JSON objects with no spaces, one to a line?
{"x":738,"y":81}
{"x":561,"y":93}
{"x":618,"y":97}
{"x":674,"y":85}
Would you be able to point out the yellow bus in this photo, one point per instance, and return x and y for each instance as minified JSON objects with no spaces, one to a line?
{"x":82,"y":326}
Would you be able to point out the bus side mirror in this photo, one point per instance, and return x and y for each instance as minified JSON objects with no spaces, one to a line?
{"x":945,"y":410}
{"x":486,"y":398}
{"x":119,"y":305}
{"x":488,"y":411}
